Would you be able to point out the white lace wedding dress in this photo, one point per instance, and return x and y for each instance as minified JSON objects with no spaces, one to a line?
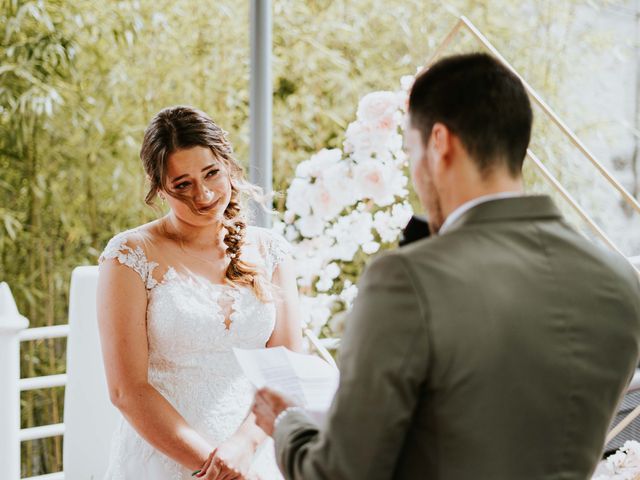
{"x":192,"y":326}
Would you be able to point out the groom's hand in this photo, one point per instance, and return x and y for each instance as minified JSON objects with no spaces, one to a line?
{"x":267,"y":406}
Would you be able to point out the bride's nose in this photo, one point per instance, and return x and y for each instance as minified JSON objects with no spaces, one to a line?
{"x":203,"y":195}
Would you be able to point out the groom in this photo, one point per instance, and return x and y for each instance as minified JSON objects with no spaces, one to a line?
{"x":498,"y":348}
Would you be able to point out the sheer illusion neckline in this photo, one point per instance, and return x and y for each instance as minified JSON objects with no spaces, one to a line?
{"x":171,"y":274}
{"x":225,"y":296}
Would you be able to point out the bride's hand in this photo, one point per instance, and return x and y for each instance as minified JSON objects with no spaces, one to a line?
{"x":230,"y":461}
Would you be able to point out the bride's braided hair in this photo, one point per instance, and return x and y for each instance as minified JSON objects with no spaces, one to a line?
{"x":182,"y":127}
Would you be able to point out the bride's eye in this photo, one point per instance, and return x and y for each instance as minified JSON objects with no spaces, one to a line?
{"x":211,"y":173}
{"x":182,"y":186}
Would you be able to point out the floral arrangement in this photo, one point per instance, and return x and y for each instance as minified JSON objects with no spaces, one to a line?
{"x":622,"y":465}
{"x":345,"y":204}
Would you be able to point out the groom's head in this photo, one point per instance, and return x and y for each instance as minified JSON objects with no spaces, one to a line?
{"x":470,"y":125}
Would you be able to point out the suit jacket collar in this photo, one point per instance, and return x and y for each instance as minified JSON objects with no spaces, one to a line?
{"x":531,"y":207}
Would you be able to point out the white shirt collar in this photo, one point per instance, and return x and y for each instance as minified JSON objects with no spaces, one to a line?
{"x":465,"y":207}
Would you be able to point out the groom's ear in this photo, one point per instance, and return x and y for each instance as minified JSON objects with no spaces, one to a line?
{"x":440,"y":143}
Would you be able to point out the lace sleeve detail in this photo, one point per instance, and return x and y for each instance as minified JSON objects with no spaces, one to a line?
{"x":270,"y":246}
{"x":277,"y":249}
{"x":121,"y":248}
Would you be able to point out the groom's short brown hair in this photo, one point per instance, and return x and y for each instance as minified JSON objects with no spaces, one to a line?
{"x":479,"y":100}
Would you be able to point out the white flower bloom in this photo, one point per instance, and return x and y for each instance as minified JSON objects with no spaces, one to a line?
{"x":291,"y":234}
{"x":349,"y":293}
{"x":328,"y":209}
{"x":279,"y":227}
{"x":382,"y":222}
{"x":332,"y":271}
{"x":324,"y":203}
{"x":345,"y":250}
{"x":379,"y":181}
{"x":401,"y":158}
{"x":298,"y":197}
{"x":310,"y":226}
{"x":307,"y":269}
{"x":361,"y":140}
{"x":401,"y":214}
{"x":395,"y":142}
{"x":289,"y":216}
{"x":312,"y":247}
{"x":389,"y":223}
{"x":331,"y":194}
{"x":364,"y":141}
{"x":379,"y":109}
{"x":324,"y":284}
{"x":318,"y":163}
{"x":317,"y":310}
{"x":624,"y":464}
{"x":370,"y":247}
{"x":406,"y":82}
{"x":354,"y":227}
{"x":327,"y":275}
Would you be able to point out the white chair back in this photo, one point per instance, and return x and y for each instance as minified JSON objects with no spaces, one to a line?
{"x":89,"y":416}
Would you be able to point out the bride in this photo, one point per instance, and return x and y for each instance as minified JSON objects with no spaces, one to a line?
{"x":175,"y":296}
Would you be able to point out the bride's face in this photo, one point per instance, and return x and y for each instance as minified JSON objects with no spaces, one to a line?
{"x":197,"y":175}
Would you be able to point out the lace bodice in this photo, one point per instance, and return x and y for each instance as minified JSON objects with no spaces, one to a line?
{"x":192,"y":326}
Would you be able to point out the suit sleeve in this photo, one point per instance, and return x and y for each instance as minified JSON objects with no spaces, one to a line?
{"x":383,"y":363}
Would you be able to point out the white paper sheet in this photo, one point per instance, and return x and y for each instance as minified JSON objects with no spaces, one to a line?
{"x":308,"y":380}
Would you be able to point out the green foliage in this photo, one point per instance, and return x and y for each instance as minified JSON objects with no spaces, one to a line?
{"x":80,"y":80}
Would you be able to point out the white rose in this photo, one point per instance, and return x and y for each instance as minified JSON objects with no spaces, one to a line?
{"x":378,"y":109}
{"x":292,"y":234}
{"x":298,"y":198}
{"x":379,"y":181}
{"x":326,"y":202}
{"x":318,"y":163}
{"x":338,"y":179}
{"x":310,"y":226}
{"x":349,"y":293}
{"x":401,"y":214}
{"x":345,"y":250}
{"x":307,"y":269}
{"x":332,"y":271}
{"x":318,"y":309}
{"x":324,"y":284}
{"x":370,"y":247}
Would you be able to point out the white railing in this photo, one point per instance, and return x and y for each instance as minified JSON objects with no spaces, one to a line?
{"x":14,"y":330}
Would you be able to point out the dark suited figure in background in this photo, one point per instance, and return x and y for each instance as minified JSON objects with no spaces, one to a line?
{"x":497,"y":348}
{"x":416,"y":229}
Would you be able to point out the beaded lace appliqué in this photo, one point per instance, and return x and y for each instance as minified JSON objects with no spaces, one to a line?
{"x":133,"y":257}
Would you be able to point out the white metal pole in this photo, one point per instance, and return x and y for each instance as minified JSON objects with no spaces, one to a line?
{"x":11,"y":323}
{"x":260,"y":106}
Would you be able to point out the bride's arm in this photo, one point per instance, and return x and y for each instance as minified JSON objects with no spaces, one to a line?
{"x":288,"y":330}
{"x":121,"y":308}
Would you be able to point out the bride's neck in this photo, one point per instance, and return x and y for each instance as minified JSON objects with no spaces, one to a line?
{"x":196,"y":236}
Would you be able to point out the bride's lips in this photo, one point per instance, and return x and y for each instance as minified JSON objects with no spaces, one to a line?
{"x":207,"y":208}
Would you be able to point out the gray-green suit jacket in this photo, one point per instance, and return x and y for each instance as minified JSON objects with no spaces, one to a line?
{"x":498,"y":350}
